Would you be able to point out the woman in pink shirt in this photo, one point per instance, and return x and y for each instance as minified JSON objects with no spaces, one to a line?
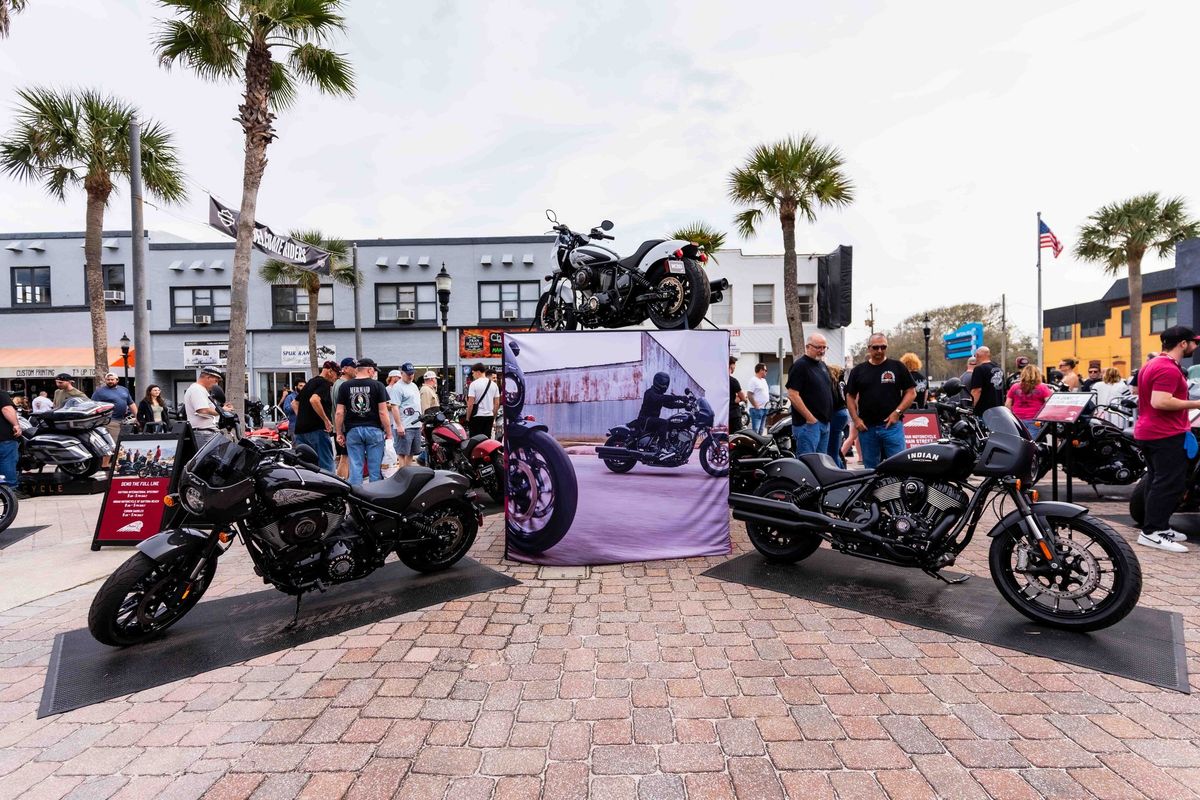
{"x":1027,"y":396}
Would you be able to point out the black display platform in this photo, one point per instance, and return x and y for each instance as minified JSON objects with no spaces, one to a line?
{"x":55,"y":483}
{"x":229,"y":630}
{"x":14,"y":535}
{"x":1146,"y":646}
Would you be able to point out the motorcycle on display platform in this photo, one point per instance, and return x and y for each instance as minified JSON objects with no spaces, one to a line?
{"x":542,"y":490}
{"x":73,"y":438}
{"x":631,"y":444}
{"x":1189,"y":502}
{"x":304,"y":530}
{"x":1053,"y":562}
{"x":593,"y":287}
{"x":479,"y":457}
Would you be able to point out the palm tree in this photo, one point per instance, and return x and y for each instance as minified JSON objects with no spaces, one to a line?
{"x":1119,"y":234}
{"x":795,"y":176}
{"x":703,"y":234}
{"x":81,"y":138}
{"x":7,"y":8}
{"x":341,"y":271}
{"x":268,"y":47}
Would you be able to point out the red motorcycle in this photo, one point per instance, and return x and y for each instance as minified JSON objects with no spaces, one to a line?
{"x":478,"y":457}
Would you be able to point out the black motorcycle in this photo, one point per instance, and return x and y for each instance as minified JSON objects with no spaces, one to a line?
{"x":749,"y":455}
{"x":631,"y":444}
{"x":304,"y":530}
{"x":542,"y":490}
{"x":1053,"y":562}
{"x":1094,"y":450}
{"x":593,"y":287}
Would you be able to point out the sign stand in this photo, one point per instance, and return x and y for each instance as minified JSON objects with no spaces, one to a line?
{"x":1061,"y":410}
{"x":1054,"y":463}
{"x":145,"y":468}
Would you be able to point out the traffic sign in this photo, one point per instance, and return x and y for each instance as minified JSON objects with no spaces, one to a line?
{"x":963,"y":342}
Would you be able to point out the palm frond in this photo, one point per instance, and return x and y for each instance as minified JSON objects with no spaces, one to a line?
{"x":1120,"y":233}
{"x":7,"y":6}
{"x":703,"y":234}
{"x":747,"y":221}
{"x":328,"y":71}
{"x":314,"y":20}
{"x":283,"y":87}
{"x":162,"y":171}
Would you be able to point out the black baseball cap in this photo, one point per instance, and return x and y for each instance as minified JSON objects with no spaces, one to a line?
{"x":1176,"y":334}
{"x":64,"y":376}
{"x":365,"y":363}
{"x":347,"y":362}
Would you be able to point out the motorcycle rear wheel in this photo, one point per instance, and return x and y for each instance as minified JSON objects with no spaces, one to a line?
{"x":81,"y":469}
{"x":775,"y":545}
{"x":1092,"y":552}
{"x":714,"y":456}
{"x":554,"y":315}
{"x":691,"y":296}
{"x":8,"y":507}
{"x":143,"y":598}
{"x":456,"y":526}
{"x":618,"y":465}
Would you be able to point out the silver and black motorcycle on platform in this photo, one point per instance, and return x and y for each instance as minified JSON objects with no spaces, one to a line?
{"x":304,"y":530}
{"x":73,"y":438}
{"x":632,"y":444}
{"x":593,"y":287}
{"x":1053,"y":562}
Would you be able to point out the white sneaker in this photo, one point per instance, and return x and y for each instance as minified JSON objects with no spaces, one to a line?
{"x":1173,"y":535}
{"x":1161,"y":541}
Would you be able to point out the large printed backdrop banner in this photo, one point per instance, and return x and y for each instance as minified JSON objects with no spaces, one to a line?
{"x":564,"y":505}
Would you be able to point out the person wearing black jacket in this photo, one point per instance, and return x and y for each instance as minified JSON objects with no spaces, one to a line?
{"x":654,"y":400}
{"x":152,"y":411}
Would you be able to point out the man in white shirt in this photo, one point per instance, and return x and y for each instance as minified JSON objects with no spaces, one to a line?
{"x":42,"y":403}
{"x":404,"y":399}
{"x":199,"y":406}
{"x":760,"y":395}
{"x":483,"y":397}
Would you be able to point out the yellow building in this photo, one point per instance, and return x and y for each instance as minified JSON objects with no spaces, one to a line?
{"x":1097,"y":333}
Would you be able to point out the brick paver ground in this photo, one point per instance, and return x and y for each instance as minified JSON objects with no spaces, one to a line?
{"x":642,"y":681}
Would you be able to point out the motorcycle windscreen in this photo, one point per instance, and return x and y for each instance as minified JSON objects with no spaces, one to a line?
{"x":1002,"y":420}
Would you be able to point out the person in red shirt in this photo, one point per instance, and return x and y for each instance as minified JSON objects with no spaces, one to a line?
{"x":1162,"y":424}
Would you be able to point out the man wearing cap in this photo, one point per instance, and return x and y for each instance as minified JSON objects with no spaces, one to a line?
{"x":404,"y":398}
{"x":362,"y":421}
{"x":199,"y":406}
{"x":429,"y":397}
{"x":1160,"y":431}
{"x":314,"y":407}
{"x":1015,"y":377}
{"x":65,"y":390}
{"x":346,"y":368}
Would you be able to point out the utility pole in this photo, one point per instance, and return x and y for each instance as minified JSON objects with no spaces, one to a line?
{"x":358,"y":351}
{"x":141,"y":319}
{"x":1003,"y":333}
{"x":870,"y":322}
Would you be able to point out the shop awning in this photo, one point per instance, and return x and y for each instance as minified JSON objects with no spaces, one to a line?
{"x":46,"y":362}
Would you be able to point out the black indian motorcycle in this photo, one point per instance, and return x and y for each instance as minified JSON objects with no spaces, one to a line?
{"x":1053,"y":562}
{"x":542,"y":490}
{"x":631,"y":444}
{"x":304,"y":530}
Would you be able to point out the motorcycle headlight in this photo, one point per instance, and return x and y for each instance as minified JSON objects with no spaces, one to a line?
{"x":193,"y":500}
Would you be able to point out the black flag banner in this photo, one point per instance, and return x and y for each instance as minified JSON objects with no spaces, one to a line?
{"x":284,"y":248}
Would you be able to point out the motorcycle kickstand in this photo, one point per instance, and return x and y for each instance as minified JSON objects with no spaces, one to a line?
{"x":952,"y":582}
{"x":296,"y":615}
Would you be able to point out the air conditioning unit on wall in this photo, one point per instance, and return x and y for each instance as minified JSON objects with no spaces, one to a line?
{"x":112,"y":296}
{"x":301,"y":316}
{"x":509,"y":313}
{"x":202,"y":319}
{"x":406,"y":315}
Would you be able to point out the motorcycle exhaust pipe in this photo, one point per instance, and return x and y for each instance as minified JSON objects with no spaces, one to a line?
{"x":617,"y":452}
{"x":786,"y":516}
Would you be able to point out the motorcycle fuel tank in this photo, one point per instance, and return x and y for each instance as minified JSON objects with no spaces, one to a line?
{"x":948,"y":461}
{"x":592,"y":255}
{"x":286,"y":486}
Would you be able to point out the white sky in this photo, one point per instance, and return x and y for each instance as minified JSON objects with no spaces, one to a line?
{"x":958,"y":120}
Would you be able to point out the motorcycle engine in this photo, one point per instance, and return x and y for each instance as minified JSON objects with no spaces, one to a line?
{"x":912,"y":509}
{"x":342,"y":556}
{"x":302,"y":527}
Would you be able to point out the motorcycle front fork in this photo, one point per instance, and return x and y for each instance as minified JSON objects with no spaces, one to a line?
{"x":1039,"y":540}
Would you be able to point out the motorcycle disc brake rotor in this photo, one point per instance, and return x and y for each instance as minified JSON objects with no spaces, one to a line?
{"x":447,"y":530}
{"x":529,"y":506}
{"x":718,"y":455}
{"x":673,"y":284}
{"x":1079,"y":577}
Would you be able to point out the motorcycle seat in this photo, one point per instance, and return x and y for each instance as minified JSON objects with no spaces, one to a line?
{"x":631,"y":262}
{"x":751,"y":433}
{"x":398,"y":491}
{"x":470,"y":444}
{"x":826,"y":470}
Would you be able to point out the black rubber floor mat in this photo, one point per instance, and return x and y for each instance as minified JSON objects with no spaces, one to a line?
{"x":14,"y":535}
{"x":1146,"y":646}
{"x":230,"y":630}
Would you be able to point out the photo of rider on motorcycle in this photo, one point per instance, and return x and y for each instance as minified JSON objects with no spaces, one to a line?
{"x":654,"y":401}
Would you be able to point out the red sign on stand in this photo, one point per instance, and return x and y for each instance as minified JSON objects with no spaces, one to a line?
{"x":143,"y":470}
{"x":921,"y":427}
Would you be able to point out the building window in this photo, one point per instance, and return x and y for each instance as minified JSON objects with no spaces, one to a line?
{"x":722,"y":313}
{"x":1125,"y":323}
{"x":764,"y":304}
{"x":1060,"y":333}
{"x":1090,"y":329}
{"x":808,"y":293}
{"x":114,"y":281}
{"x":289,"y":305}
{"x":1162,"y":316}
{"x":394,"y":302}
{"x":187,"y":305}
{"x":512,"y":301}
{"x":31,"y":286}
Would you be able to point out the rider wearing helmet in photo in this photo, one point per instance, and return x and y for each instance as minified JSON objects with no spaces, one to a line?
{"x":654,"y":400}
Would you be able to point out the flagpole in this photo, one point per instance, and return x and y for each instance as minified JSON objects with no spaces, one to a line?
{"x":1040,"y":329}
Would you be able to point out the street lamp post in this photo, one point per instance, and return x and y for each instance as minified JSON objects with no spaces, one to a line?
{"x":926,"y":331}
{"x":442,"y":282}
{"x":125,"y":356}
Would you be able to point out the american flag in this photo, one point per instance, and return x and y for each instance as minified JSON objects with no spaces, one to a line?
{"x":1046,"y":238}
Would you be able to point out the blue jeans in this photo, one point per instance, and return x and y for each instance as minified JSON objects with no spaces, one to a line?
{"x":879,"y":442}
{"x":837,"y":433}
{"x":757,"y":417}
{"x":1031,"y":426}
{"x":8,"y":463}
{"x":811,"y":438}
{"x":365,"y":443}
{"x":319,"y":441}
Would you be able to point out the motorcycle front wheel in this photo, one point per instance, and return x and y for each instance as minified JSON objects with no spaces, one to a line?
{"x":1099,"y":584}
{"x":542,"y":492}
{"x":618,"y":465}
{"x":777,"y":546}
{"x":81,"y":469}
{"x":8,"y":506}
{"x":714,"y":455}
{"x":552,"y":314}
{"x":144,"y":597}
{"x":454,"y":529}
{"x":689,"y":296}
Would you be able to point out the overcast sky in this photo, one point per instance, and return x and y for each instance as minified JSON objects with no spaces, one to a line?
{"x":958,"y":121}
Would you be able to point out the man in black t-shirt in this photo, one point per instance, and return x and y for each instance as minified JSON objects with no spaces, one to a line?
{"x":736,"y":397}
{"x":877,"y":393}
{"x":987,"y":382}
{"x":10,"y":432}
{"x":363,"y":423}
{"x":314,"y":414}
{"x":811,"y":394}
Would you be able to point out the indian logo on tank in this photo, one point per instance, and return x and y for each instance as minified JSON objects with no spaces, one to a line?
{"x":922,"y":455}
{"x":287,"y":497}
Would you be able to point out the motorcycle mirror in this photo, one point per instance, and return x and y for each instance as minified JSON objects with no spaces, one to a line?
{"x":550,"y":215}
{"x":606,"y":225}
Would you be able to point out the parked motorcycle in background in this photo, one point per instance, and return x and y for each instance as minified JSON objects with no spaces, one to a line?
{"x":543,"y":491}
{"x":1095,"y":450}
{"x":593,"y":287}
{"x":447,"y":446}
{"x":73,"y":438}
{"x":631,"y":444}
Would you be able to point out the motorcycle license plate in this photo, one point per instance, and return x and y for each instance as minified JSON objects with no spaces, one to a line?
{"x":486,"y":469}
{"x":675,"y":266}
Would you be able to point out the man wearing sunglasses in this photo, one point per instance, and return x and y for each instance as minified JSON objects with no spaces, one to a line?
{"x":877,"y":392}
